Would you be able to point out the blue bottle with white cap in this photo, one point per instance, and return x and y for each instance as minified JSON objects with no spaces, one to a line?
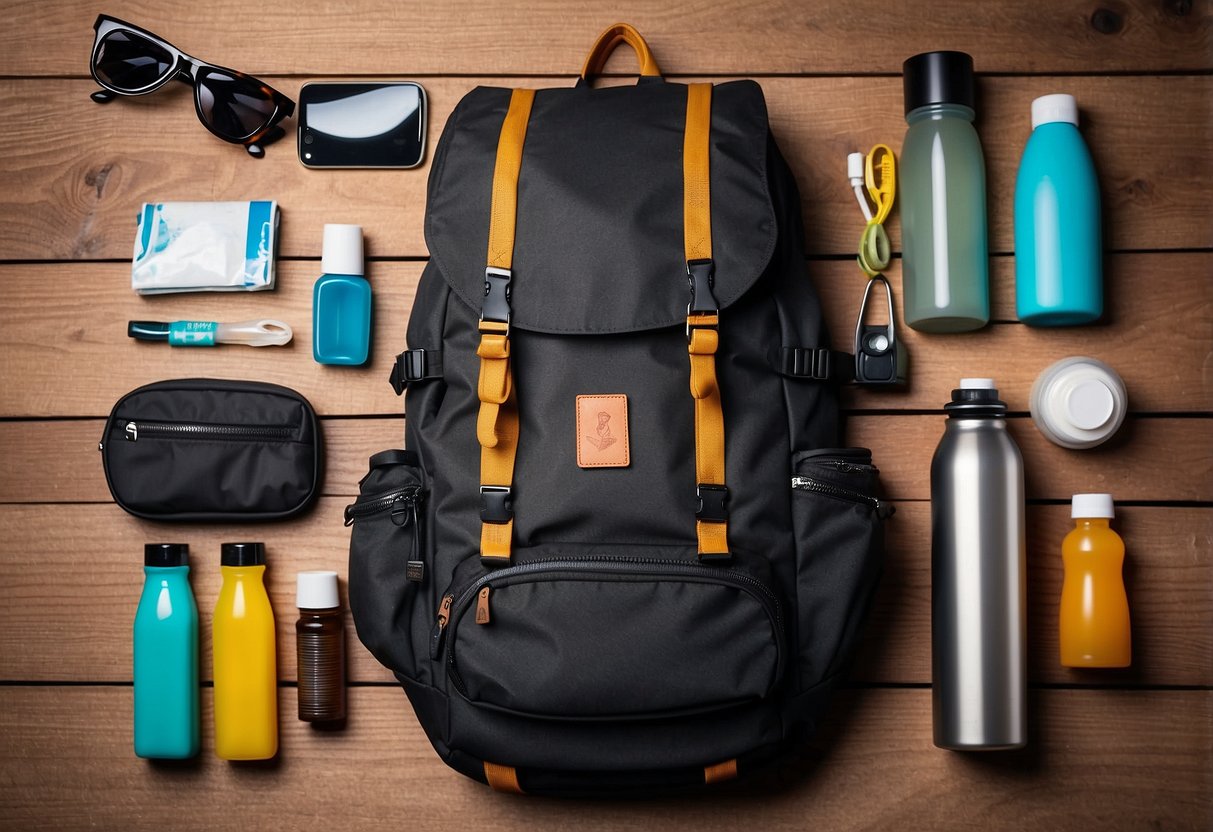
{"x":341,"y":300}
{"x":1058,"y":245}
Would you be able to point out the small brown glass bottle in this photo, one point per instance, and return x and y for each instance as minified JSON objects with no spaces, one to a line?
{"x":320,"y":648}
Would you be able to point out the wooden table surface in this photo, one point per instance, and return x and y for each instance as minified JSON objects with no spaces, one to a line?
{"x":1108,"y":750}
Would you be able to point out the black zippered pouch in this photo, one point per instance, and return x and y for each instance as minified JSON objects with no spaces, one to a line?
{"x":209,"y":449}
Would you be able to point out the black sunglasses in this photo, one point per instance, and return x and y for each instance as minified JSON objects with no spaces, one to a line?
{"x":235,"y":107}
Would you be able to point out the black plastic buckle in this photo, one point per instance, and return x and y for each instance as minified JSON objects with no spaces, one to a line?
{"x":807,"y":363}
{"x":496,"y":504}
{"x":410,"y":366}
{"x":712,"y":503}
{"x":701,"y":274}
{"x":496,"y":306}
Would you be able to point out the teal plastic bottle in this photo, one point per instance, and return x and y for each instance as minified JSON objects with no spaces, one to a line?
{"x":166,"y":656}
{"x":1058,"y":245}
{"x":341,"y":300}
{"x":942,"y":193}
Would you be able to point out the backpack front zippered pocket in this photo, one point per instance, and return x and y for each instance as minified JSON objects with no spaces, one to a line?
{"x":568,"y":638}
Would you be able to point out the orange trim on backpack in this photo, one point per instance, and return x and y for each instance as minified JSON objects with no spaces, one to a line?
{"x":720,"y":772}
{"x":502,"y":778}
{"x":611,"y":37}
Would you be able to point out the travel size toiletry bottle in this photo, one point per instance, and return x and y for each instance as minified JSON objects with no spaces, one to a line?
{"x":341,"y":300}
{"x":320,"y":648}
{"x":246,"y":672}
{"x":1058,"y":247}
{"x":942,"y":193}
{"x":166,"y":656}
{"x":1093,"y":625}
{"x":978,"y":589}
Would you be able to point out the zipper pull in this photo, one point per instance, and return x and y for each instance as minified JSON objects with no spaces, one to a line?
{"x":132,"y":432}
{"x":482,"y":605}
{"x":444,"y":615}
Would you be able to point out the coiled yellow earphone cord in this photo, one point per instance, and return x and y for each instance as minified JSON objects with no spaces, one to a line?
{"x":880,"y":178}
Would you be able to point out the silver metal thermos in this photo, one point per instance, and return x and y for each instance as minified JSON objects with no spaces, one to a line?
{"x":978,"y":600}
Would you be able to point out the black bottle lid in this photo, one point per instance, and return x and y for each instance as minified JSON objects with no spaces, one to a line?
{"x":976,"y":397}
{"x":147,"y":330}
{"x":242,"y":554}
{"x":166,"y":554}
{"x":938,"y":78}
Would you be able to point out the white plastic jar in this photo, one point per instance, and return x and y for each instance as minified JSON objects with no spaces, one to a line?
{"x":1079,"y":402}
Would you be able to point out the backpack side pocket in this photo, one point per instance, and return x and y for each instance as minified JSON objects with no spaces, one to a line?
{"x":387,"y":558}
{"x":839,"y":526}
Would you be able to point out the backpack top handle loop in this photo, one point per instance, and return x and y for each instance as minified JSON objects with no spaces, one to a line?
{"x":605,"y":45}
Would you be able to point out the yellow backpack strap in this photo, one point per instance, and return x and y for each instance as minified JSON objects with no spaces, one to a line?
{"x":497,"y":421}
{"x":703,"y":337}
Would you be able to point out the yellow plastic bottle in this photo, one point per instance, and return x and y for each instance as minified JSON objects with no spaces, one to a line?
{"x":245,"y":664}
{"x":1094,"y":621}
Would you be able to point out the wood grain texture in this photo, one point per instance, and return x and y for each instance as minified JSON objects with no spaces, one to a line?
{"x":63,"y":322}
{"x":99,"y":163}
{"x":871,"y":767}
{"x":1169,"y":579}
{"x":553,"y":36}
{"x":51,"y":462}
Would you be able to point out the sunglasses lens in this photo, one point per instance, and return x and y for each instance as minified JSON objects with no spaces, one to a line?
{"x":234,"y":106}
{"x":128,"y":61}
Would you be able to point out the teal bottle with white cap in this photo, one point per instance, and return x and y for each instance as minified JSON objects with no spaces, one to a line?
{"x":341,"y":301}
{"x":1058,"y":245}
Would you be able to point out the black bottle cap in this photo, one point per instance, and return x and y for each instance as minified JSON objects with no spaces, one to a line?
{"x":938,"y":78}
{"x":147,"y":330}
{"x":166,"y":554}
{"x":978,"y":398}
{"x":242,"y":554}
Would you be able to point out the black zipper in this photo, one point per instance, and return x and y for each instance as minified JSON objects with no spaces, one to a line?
{"x":802,"y":483}
{"x":403,"y":503}
{"x":196,"y":430}
{"x":750,"y":585}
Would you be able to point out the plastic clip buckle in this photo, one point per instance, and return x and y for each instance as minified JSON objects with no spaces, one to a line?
{"x":807,"y":363}
{"x":496,"y":306}
{"x":496,"y":504}
{"x":410,"y":366}
{"x":701,"y":274}
{"x":712,"y":503}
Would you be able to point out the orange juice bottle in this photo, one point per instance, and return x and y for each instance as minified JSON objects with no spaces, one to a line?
{"x":1094,"y":620}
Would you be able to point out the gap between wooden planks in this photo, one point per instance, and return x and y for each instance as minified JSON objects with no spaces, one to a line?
{"x":73,"y":174}
{"x":1107,"y":760}
{"x":42,"y":575}
{"x":388,"y":38}
{"x":64,"y":350}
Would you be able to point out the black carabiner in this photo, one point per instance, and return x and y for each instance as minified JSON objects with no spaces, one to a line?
{"x":880,"y":358}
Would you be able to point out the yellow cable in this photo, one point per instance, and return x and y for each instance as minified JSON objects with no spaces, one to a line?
{"x":880,"y":176}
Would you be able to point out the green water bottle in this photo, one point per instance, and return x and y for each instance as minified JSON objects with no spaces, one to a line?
{"x":942,"y":194}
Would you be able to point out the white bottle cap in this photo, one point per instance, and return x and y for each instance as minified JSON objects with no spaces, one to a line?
{"x":1078,"y":402}
{"x":977,"y":384}
{"x":1092,"y":505}
{"x":1057,"y":107}
{"x":342,"y":252}
{"x":317,"y":591}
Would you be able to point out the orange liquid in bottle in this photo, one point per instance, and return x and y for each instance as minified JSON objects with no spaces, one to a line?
{"x":1094,"y":620}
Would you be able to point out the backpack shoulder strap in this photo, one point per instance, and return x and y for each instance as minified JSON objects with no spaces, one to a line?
{"x":497,"y":421}
{"x":703,"y":322}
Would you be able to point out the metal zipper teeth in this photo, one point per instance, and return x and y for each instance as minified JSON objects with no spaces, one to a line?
{"x":830,"y":490}
{"x":770,"y":601}
{"x":187,"y":429}
{"x":383,"y":502}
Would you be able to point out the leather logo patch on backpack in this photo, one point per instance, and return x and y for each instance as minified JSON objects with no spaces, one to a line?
{"x":602,"y":432}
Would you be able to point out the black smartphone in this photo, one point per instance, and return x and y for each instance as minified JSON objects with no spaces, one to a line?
{"x":362,"y":124}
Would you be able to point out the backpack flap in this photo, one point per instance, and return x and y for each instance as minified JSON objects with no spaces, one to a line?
{"x":614,"y":262}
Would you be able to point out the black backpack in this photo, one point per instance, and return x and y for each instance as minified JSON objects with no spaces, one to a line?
{"x":623,"y":551}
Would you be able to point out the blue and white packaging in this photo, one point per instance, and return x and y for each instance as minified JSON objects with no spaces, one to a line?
{"x":205,"y":247}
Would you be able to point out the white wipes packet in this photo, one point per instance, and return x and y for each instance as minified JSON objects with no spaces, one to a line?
{"x":205,"y":247}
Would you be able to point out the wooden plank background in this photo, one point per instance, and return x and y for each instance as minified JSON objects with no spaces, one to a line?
{"x":1117,"y":750}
